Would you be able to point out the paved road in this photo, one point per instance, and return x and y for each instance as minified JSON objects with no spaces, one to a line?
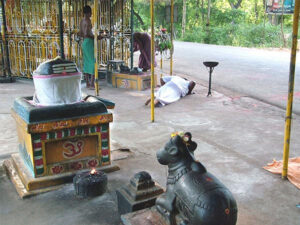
{"x":259,"y":73}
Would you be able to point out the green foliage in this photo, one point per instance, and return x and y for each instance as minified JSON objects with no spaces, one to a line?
{"x":162,"y":40}
{"x":241,"y":26}
{"x":164,"y":45}
{"x":227,"y":16}
{"x":246,"y":35}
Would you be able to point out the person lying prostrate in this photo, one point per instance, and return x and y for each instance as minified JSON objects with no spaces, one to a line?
{"x":172,"y":89}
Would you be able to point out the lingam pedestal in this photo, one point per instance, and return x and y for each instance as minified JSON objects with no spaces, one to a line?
{"x":56,"y":140}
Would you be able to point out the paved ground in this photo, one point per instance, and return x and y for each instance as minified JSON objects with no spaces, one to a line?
{"x":236,"y":137}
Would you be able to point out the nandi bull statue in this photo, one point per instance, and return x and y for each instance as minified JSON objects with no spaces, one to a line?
{"x":193,"y":196}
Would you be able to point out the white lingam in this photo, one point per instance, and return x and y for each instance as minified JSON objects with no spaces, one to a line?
{"x":57,"y":82}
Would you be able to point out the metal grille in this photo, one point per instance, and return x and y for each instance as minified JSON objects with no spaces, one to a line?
{"x":33,"y":33}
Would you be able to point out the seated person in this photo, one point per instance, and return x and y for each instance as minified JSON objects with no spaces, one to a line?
{"x":172,"y":89}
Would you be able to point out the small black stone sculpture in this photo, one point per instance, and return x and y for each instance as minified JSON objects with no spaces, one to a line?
{"x":140,"y":193}
{"x":193,"y":196}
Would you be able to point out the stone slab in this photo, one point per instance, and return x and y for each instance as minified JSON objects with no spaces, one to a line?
{"x":7,"y":79}
{"x":26,"y":185}
{"x":148,"y":216}
{"x":126,"y":202}
{"x":17,"y":182}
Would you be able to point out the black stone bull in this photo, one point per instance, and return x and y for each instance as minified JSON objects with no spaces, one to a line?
{"x":193,"y":195}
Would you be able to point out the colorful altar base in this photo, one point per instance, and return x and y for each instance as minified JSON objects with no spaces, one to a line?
{"x":135,"y":82}
{"x":55,"y":142}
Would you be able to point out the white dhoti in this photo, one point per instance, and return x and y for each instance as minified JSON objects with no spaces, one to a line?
{"x":168,"y":93}
{"x":173,"y":89}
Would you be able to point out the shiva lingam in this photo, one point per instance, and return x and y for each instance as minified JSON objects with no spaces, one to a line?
{"x":90,"y":184}
{"x":193,"y":196}
{"x":211,"y":66}
{"x":60,"y":131}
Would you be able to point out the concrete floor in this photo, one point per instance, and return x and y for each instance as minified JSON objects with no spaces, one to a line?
{"x":236,"y":137}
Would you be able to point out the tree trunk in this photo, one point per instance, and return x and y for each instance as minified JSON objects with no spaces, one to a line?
{"x":282,"y":32}
{"x":256,"y":11}
{"x":235,"y":5}
{"x":207,"y":38}
{"x":208,"y":12}
{"x":197,"y":10}
{"x":139,"y":18}
{"x":202,"y":11}
{"x":275,"y":19}
{"x":183,"y":18}
{"x":265,"y":20}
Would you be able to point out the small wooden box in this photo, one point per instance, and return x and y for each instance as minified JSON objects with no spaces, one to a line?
{"x":135,"y":82}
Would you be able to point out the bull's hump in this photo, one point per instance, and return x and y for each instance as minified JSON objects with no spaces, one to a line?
{"x":198,"y":183}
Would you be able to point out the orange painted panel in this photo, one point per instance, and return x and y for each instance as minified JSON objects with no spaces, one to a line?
{"x":63,"y":124}
{"x":71,"y":149}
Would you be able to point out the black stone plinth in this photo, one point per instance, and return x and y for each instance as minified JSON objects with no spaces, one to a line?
{"x":8,"y":79}
{"x":139,"y":194}
{"x":35,"y":114}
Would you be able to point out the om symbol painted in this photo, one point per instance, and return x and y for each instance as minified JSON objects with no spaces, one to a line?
{"x":125,"y":84}
{"x":72,"y":148}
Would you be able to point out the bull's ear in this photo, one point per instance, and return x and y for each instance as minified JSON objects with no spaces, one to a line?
{"x":173,"y":150}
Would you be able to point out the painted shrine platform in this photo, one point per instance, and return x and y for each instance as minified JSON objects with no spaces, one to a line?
{"x":55,"y":142}
{"x":135,"y":82}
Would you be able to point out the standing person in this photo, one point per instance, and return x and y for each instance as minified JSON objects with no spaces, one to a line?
{"x":142,"y":42}
{"x":172,"y":89}
{"x":88,"y":47}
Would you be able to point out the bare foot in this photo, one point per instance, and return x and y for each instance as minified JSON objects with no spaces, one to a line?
{"x":148,"y":101}
{"x":157,"y":103}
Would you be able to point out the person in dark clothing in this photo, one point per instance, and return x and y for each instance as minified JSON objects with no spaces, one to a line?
{"x":142,"y":42}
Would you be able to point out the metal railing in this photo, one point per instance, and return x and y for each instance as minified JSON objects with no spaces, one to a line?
{"x":32,"y":33}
